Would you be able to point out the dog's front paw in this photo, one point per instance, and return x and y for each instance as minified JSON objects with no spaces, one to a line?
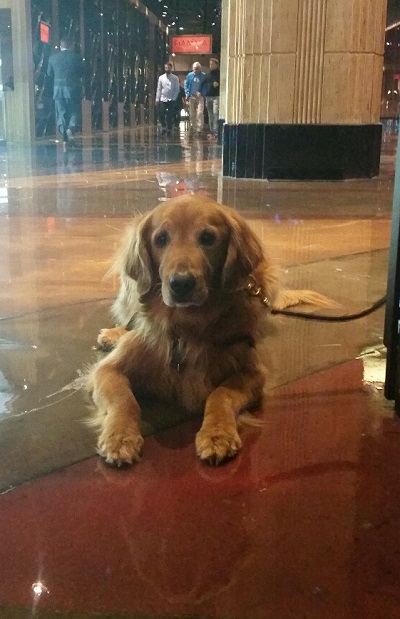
{"x":108,"y":338}
{"x":120,"y":445}
{"x":217,"y":443}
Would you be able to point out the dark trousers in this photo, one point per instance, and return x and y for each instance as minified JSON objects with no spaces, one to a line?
{"x":68,"y":112}
{"x":177,"y":114}
{"x":166,"y":114}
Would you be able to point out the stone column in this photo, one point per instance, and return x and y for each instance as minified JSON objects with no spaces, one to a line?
{"x":302,"y":88}
{"x":19,"y":103}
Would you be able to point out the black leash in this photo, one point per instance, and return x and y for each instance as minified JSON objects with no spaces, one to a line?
{"x":325,"y":318}
{"x":256,"y":291}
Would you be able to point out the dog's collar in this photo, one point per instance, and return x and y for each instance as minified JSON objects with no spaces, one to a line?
{"x":239,"y":338}
{"x":178,"y":348}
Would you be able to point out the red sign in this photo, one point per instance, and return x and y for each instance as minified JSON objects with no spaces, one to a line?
{"x":192,"y":44}
{"x":44,"y":32}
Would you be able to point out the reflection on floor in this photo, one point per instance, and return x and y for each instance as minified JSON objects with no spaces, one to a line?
{"x":304,"y":523}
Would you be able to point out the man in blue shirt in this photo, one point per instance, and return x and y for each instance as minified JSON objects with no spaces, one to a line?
{"x":166,"y":96}
{"x":195,"y":90}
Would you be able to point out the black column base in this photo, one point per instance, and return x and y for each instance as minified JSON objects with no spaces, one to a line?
{"x":301,"y":152}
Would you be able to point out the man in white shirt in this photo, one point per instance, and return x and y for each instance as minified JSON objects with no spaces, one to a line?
{"x":166,"y":96}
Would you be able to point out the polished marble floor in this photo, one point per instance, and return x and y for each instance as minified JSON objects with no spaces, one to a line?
{"x":304,"y":523}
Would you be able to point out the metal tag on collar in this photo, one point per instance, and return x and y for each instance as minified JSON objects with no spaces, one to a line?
{"x":177,"y":354}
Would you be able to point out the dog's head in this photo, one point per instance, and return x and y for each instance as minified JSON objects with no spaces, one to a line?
{"x":190,"y":247}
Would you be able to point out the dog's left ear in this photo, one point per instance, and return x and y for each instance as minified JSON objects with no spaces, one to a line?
{"x":244,"y":252}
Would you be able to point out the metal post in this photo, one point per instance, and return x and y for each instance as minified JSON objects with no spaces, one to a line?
{"x":391,"y":335}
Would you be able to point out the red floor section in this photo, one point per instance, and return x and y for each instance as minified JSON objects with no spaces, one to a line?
{"x":301,"y":525}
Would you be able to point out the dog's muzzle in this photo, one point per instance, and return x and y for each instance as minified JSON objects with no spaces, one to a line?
{"x":182,"y":287}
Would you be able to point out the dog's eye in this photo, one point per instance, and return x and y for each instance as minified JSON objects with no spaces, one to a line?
{"x":162,"y":239}
{"x":206,"y":238}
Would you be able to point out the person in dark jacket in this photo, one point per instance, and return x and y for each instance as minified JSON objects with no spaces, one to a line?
{"x":211,"y":82}
{"x":65,"y":68}
{"x":180,"y":105}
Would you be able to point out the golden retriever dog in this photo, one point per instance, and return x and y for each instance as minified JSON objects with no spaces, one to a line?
{"x":189,"y":272}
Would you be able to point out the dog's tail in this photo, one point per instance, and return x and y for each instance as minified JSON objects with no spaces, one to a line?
{"x":289,"y":298}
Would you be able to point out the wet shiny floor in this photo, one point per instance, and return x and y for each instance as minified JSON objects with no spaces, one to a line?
{"x":304,"y":523}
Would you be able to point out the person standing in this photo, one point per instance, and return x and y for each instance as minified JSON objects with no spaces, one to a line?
{"x":212,"y":81}
{"x":166,"y":96}
{"x":180,"y":105}
{"x":65,"y":68}
{"x":195,"y":91}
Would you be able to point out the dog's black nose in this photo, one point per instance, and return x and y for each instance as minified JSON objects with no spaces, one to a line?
{"x":182,"y":285}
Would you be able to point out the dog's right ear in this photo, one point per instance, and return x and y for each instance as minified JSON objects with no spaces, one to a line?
{"x":134,"y":258}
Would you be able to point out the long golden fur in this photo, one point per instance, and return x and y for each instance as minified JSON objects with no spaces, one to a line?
{"x":193,"y":327}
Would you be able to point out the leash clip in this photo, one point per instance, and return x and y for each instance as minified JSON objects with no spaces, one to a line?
{"x":255,"y":291}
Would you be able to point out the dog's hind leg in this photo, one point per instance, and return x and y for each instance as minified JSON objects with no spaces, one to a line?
{"x":108,"y":338}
